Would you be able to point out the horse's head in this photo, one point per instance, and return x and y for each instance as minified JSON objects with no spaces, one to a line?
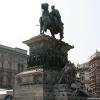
{"x":44,"y":6}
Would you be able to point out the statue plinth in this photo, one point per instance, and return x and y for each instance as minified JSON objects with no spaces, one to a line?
{"x":47,"y":51}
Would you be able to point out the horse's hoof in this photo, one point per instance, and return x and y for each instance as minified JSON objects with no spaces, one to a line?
{"x":53,"y":37}
{"x":60,"y":39}
{"x":41,"y":33}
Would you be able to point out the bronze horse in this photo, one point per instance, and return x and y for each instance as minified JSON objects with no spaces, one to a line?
{"x":47,"y":21}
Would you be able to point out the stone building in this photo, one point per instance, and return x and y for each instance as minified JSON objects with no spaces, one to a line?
{"x":94,"y":73}
{"x":12,"y":61}
{"x":83,"y":74}
{"x":89,"y":73}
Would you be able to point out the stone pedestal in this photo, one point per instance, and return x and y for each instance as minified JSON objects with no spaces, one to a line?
{"x":46,"y":77}
{"x":28,"y":85}
{"x":47,"y":51}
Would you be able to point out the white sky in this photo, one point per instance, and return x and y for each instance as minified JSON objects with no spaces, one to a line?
{"x":18,"y":20}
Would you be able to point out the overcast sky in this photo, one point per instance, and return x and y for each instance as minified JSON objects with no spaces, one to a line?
{"x":81,"y":18}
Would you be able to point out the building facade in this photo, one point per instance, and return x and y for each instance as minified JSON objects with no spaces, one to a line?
{"x":12,"y":62}
{"x":83,"y":74}
{"x":94,"y":73}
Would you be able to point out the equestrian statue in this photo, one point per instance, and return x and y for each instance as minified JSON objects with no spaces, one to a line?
{"x":51,"y":21}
